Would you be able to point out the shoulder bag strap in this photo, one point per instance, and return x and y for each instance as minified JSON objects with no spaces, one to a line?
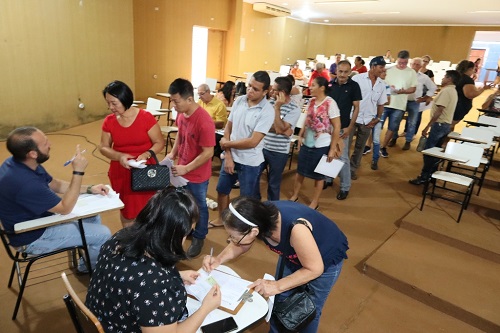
{"x":153,"y":155}
{"x":283,"y":258}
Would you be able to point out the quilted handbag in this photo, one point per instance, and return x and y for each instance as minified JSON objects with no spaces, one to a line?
{"x":153,"y":177}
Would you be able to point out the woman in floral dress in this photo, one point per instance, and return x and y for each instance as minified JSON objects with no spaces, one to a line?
{"x":319,"y":136}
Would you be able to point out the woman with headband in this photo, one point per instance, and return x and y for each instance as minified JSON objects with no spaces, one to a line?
{"x":315,"y":249}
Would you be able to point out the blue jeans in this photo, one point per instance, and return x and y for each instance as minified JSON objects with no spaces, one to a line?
{"x":362,"y":133}
{"x":345,"y":172}
{"x":199,"y":192}
{"x":412,"y":107}
{"x":276,"y":163}
{"x":436,"y":136}
{"x":377,"y":129}
{"x":394,"y":116}
{"x":247,"y":175}
{"x":321,"y":287}
{"x":68,"y":234}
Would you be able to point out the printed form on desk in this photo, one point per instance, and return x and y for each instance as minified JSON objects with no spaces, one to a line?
{"x":232,"y":287}
{"x":89,"y":203}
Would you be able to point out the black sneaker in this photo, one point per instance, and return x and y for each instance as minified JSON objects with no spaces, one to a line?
{"x":195,"y":247}
{"x":417,"y":181}
{"x":374,"y":165}
{"x":366,"y":150}
{"x":406,"y":146}
{"x":342,"y":195}
{"x":392,"y":143}
{"x":383,"y":152}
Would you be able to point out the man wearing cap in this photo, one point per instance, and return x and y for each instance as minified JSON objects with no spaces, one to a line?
{"x":403,"y":82}
{"x":370,"y":109}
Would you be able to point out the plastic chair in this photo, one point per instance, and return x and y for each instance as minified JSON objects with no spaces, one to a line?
{"x":19,"y":258}
{"x":83,"y":319}
{"x":212,"y":84}
{"x":168,"y":131}
{"x":441,"y":179}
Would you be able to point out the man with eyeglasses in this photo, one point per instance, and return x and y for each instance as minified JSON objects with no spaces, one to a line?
{"x":251,"y":118}
{"x":277,"y":141}
{"x":214,"y":106}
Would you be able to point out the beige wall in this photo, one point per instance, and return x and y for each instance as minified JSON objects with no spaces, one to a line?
{"x":442,"y":43}
{"x":162,"y":39}
{"x":55,"y":52}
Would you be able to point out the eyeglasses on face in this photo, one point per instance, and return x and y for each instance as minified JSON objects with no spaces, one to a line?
{"x":202,"y":93}
{"x":238,"y":243}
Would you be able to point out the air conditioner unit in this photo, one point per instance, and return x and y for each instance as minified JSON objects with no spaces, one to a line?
{"x":270,"y":9}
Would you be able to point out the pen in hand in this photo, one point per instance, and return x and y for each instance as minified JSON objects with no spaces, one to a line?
{"x":73,"y":158}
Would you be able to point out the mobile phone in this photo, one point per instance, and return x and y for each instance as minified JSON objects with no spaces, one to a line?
{"x":221,"y":326}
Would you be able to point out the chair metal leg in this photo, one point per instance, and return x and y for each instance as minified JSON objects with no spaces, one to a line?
{"x":21,"y":289}
{"x":424,"y":193}
{"x":85,"y":248}
{"x":14,"y":268}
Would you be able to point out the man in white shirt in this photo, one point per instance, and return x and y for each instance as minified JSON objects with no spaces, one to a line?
{"x":417,"y":102}
{"x":371,"y":108}
{"x":403,"y":82}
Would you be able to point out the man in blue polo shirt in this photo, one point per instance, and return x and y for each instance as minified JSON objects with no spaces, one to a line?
{"x":347,"y":94}
{"x":28,"y":192}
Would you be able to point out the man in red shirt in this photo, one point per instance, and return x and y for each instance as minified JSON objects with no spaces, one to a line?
{"x":194,"y":148}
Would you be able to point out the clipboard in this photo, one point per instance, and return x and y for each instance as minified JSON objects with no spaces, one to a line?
{"x":227,"y":282}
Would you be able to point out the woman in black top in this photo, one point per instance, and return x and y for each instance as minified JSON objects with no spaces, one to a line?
{"x":136,"y":286}
{"x":466,"y":90}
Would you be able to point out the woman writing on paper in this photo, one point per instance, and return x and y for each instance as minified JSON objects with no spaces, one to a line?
{"x":319,"y":136}
{"x":136,"y":286}
{"x":128,"y":133}
{"x":314,"y":252}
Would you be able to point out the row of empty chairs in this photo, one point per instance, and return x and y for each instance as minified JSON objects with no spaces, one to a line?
{"x":478,"y":155}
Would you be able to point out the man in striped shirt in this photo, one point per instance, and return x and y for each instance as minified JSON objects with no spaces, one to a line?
{"x":277,"y":140}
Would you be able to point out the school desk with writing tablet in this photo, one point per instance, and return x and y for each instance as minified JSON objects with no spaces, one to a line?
{"x":245,"y":312}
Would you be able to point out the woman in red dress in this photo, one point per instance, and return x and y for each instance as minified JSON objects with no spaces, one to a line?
{"x":128,"y":133}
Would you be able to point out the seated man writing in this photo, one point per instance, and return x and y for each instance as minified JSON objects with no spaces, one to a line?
{"x":28,"y":192}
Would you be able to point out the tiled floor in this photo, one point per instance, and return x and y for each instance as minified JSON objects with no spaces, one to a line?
{"x":372,"y":213}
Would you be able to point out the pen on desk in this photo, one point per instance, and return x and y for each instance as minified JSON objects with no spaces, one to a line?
{"x":71,"y":160}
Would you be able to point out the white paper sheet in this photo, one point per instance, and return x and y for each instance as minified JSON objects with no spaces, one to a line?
{"x":231,"y":287}
{"x":176,"y":181}
{"x":89,"y":203}
{"x":270,"y":300}
{"x":137,"y":164}
{"x":331,"y":169}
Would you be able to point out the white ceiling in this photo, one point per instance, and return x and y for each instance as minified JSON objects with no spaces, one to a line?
{"x":397,"y":12}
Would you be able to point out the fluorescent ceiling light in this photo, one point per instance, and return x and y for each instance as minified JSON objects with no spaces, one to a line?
{"x":378,"y":13}
{"x":485,"y":12}
{"x":332,"y":2}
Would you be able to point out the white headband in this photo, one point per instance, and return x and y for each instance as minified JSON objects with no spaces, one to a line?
{"x":241,"y":218}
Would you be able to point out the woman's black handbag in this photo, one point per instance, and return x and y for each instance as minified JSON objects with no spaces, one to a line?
{"x":153,"y":177}
{"x":297,"y":310}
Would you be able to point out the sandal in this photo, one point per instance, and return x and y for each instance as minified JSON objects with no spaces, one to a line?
{"x":213,"y":225}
